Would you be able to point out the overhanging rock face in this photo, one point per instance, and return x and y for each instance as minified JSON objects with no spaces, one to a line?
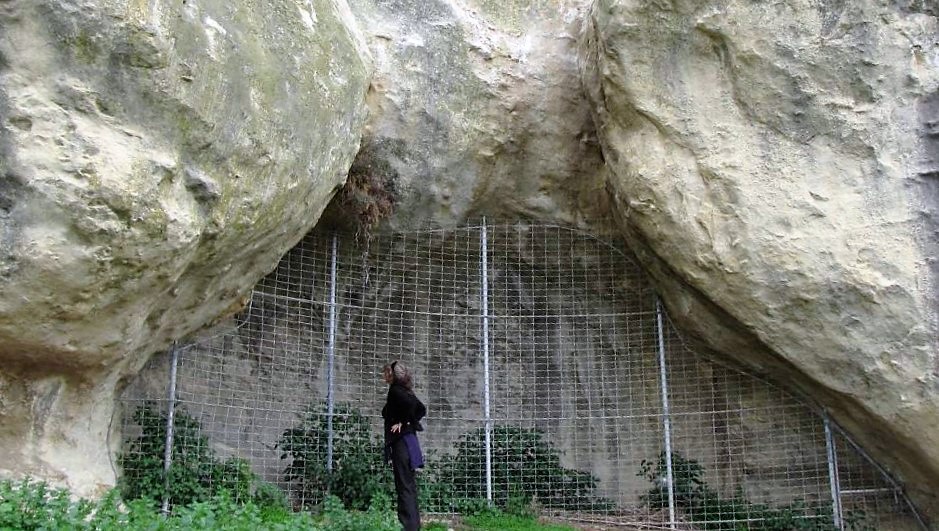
{"x":774,"y":166}
{"x":157,"y":159}
{"x":476,"y":107}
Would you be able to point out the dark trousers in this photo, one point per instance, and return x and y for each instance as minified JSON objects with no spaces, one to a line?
{"x":405,"y":486}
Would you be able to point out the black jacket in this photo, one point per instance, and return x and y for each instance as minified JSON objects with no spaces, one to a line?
{"x":402,"y":406}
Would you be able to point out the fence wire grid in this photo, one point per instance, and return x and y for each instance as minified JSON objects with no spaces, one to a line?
{"x":553,"y":380}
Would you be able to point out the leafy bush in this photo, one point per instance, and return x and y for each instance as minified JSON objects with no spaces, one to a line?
{"x":222,"y":512}
{"x":196,"y":472}
{"x":358,"y":473}
{"x":525,"y":469}
{"x":708,"y":509}
{"x":32,"y":506}
{"x":378,"y":517}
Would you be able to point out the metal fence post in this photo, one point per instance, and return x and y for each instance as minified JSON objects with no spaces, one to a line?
{"x":895,"y":487}
{"x":170,"y":414}
{"x":833,"y":474}
{"x":666,"y":417}
{"x":331,"y":356}
{"x":485,"y":308}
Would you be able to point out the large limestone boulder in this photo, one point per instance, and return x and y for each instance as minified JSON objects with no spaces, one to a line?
{"x":476,"y":108}
{"x":157,"y":158}
{"x":775,"y":163}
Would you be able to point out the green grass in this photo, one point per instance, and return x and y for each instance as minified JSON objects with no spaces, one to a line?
{"x":509,"y":522}
{"x":32,"y":505}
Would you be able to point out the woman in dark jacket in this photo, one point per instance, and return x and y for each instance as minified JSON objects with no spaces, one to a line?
{"x":403,"y":413}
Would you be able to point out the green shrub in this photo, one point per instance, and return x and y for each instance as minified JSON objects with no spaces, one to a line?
{"x":378,"y":517}
{"x":32,"y":506}
{"x":358,"y":473}
{"x":708,"y":509}
{"x":196,"y":473}
{"x":525,"y":468}
{"x":222,"y":512}
{"x":270,"y":497}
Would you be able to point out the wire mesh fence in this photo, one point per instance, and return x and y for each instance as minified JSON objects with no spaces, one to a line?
{"x":553,"y":380}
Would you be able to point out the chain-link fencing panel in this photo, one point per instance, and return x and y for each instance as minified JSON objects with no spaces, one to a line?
{"x":554,"y":383}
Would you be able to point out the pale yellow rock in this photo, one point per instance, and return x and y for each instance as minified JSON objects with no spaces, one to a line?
{"x":157,"y":159}
{"x":775,"y":164}
{"x":477,"y":109}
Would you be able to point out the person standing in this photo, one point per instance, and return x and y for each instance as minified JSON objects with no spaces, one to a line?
{"x":403,"y":412}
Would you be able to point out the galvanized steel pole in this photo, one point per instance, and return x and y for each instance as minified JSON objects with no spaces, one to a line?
{"x":485,"y":308}
{"x":170,"y":414}
{"x":331,"y":356}
{"x":666,"y":417}
{"x":833,"y":479}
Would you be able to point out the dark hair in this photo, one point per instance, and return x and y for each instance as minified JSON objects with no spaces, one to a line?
{"x":399,"y":374}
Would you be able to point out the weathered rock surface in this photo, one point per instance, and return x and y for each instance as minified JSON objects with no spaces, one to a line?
{"x":157,"y":158}
{"x":477,"y":108}
{"x":775,"y":164}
